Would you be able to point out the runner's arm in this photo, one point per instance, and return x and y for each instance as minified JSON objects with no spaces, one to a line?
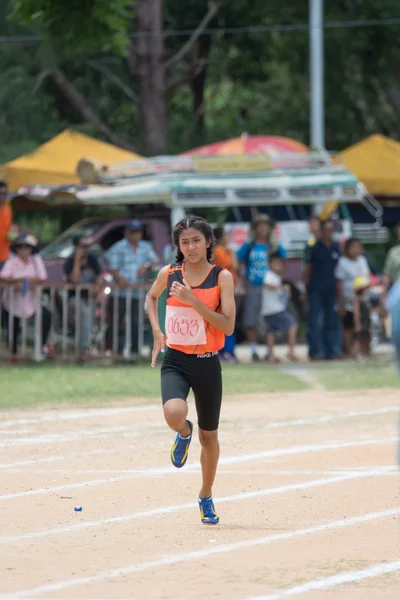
{"x":225,"y":320}
{"x":152,"y":298}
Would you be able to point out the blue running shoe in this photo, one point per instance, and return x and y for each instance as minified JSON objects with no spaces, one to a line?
{"x":207,"y":511}
{"x":180,"y":449}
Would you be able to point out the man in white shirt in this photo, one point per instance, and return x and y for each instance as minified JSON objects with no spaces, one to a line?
{"x":273,"y":309}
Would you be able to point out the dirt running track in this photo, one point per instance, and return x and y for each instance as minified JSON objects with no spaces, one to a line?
{"x":307,"y":492}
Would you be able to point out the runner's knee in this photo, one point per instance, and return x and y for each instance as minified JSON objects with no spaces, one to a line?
{"x":175,"y":413}
{"x":208,"y":438}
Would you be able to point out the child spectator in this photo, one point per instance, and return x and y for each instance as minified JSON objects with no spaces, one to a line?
{"x":362,"y":316}
{"x":351,"y":265}
{"x":273,"y":309}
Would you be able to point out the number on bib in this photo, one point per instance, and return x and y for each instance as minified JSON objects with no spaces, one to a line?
{"x":184,"y":326}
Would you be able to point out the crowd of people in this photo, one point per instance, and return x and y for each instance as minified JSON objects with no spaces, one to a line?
{"x":334,"y":296}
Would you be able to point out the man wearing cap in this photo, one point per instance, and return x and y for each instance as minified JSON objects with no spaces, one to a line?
{"x":254,"y":256}
{"x":130,"y":262}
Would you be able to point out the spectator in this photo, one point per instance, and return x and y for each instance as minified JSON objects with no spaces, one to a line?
{"x":83,"y":268}
{"x":391,"y":270}
{"x":314,"y":226}
{"x":254,"y":256}
{"x":362,"y":315}
{"x":23,"y":271}
{"x":5,"y":224}
{"x":226,"y":258}
{"x":350,"y":266}
{"x":169,"y":254}
{"x":129,"y":260}
{"x":274,"y":309}
{"x":393,"y":307}
{"x":322,"y":294}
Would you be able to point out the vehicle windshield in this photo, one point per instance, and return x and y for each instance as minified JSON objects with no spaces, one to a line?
{"x":63,"y":246}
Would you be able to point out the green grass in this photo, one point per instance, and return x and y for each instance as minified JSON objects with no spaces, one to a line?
{"x":358,"y":377}
{"x":37,"y":385}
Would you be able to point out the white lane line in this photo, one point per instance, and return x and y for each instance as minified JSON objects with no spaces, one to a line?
{"x":333,"y":581}
{"x":227,"y":460}
{"x":163,"y":510}
{"x":329,"y":418}
{"x":17,"y":431}
{"x":84,"y":414}
{"x":197,"y":554}
{"x":391,"y":470}
{"x":101,"y":432}
{"x":49,"y":459}
{"x":76,"y":415}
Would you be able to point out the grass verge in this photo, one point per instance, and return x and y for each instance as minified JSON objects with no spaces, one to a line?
{"x":358,"y":377}
{"x":53,"y":385}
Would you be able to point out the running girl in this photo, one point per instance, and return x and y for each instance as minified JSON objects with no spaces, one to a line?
{"x":200,"y":312}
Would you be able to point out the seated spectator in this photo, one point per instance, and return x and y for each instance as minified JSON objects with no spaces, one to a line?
{"x":23,"y":270}
{"x":226,"y":258}
{"x":130,"y":261}
{"x":321,"y":289}
{"x":254,"y":256}
{"x":362,"y":316}
{"x":83,"y":268}
{"x":350,"y":266}
{"x":274,"y":309}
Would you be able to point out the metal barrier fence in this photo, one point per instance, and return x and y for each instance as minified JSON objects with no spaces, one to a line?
{"x":112,"y":324}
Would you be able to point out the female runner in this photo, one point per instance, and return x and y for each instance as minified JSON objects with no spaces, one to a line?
{"x":200,"y":312}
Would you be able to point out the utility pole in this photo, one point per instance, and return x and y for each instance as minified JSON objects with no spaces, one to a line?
{"x":317,"y":108}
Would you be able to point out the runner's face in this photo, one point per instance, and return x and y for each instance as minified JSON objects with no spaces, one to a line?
{"x":193,"y":245}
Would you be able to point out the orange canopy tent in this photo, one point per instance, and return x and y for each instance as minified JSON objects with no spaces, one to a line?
{"x":55,"y":162}
{"x":376,"y":162}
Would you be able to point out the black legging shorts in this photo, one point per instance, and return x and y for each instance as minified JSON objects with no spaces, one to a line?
{"x":181,"y":372}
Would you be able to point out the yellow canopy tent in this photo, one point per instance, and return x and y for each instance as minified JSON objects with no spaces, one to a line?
{"x":55,"y":162}
{"x":376,"y":162}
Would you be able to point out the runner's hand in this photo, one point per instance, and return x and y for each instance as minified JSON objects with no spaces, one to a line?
{"x":158,"y":346}
{"x":184,"y":292}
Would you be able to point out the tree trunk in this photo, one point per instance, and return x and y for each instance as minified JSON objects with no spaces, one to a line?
{"x":150,"y":70}
{"x":198,"y":88}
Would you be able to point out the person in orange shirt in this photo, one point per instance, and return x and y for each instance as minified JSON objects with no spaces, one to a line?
{"x":5,"y":224}
{"x":226,"y":258}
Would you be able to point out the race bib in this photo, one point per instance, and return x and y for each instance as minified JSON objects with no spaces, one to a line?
{"x":184,"y":326}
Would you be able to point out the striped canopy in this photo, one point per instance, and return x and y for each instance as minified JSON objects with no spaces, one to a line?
{"x":250,"y":144}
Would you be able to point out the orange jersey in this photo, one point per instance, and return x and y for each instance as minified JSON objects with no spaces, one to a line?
{"x":5,"y":226}
{"x":185,"y":329}
{"x":223,"y":258}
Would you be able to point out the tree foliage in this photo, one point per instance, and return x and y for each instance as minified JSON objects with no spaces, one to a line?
{"x":77,"y":25}
{"x":223,"y":84}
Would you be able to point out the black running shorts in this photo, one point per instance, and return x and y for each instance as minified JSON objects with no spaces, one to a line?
{"x":202,"y":373}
